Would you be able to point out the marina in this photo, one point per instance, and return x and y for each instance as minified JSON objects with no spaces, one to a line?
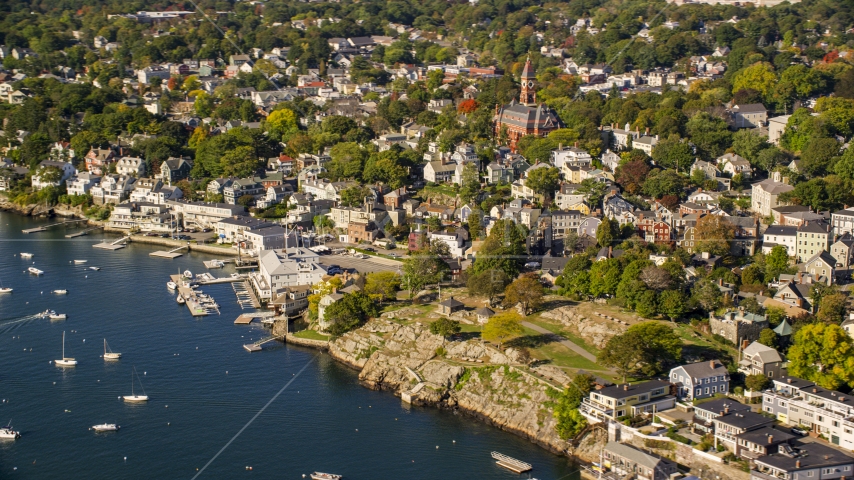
{"x":246,"y":297}
{"x":200,"y":305}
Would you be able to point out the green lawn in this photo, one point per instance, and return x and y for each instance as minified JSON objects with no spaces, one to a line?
{"x":311,"y":335}
{"x":559,"y":330}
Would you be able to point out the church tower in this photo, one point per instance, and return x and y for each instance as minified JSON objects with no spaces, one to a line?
{"x":529,"y":94}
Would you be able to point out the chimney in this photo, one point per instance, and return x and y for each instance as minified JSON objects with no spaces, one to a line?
{"x":647,"y":131}
{"x":797,"y":464}
{"x":610,"y":251}
{"x":726,"y":409}
{"x":770,"y":439}
{"x":788,"y":380}
{"x":626,"y":387}
{"x":711,"y":364}
{"x":800,"y":303}
{"x":721,"y":282}
{"x":576,"y":144}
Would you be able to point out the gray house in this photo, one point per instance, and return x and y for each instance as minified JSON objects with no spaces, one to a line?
{"x":700,"y":380}
{"x":630,"y":462}
{"x":811,"y":461}
{"x":760,"y":359}
{"x":706,"y":412}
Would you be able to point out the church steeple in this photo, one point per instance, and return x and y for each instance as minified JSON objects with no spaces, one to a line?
{"x":529,"y":94}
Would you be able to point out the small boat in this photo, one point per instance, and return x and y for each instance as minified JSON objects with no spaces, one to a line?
{"x":326,"y":476}
{"x":65,"y":361}
{"x":7,"y":432}
{"x":95,"y":268}
{"x":59,"y":292}
{"x":109,"y":354}
{"x":35,"y":271}
{"x":235,"y":275}
{"x":26,"y":255}
{"x":188,"y":274}
{"x":171,"y":285}
{"x":133,"y":397}
{"x":80,"y":262}
{"x":57,"y":316}
{"x":5,"y":290}
{"x":180,"y":299}
{"x":106,"y":427}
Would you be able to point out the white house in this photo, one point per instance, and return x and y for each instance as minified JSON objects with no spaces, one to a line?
{"x":81,"y":183}
{"x":285,"y":268}
{"x":132,"y":166}
{"x":66,"y":171}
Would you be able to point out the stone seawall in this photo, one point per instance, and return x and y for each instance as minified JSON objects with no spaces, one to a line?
{"x":168,"y":242}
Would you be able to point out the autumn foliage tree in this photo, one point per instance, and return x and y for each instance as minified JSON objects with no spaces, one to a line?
{"x":467,"y":106}
{"x":714,"y":234}
{"x":632,"y":174}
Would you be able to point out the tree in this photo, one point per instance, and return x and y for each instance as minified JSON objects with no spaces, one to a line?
{"x":632,"y":174}
{"x":714,"y":234}
{"x":592,"y":190}
{"x":756,"y":383}
{"x":445,"y":327}
{"x":832,"y":308}
{"x":569,"y":421}
{"x":321,"y":289}
{"x":504,"y":249}
{"x":620,"y":354}
{"x":282,"y":123}
{"x":489,"y":283}
{"x":709,"y":134}
{"x":645,"y":347}
{"x":525,"y":291}
{"x":543,"y":181}
{"x":823,"y":354}
{"x":606,"y":232}
{"x":672,"y":304}
{"x":470,"y":187}
{"x":424,"y":266}
{"x":323,"y":223}
{"x":467,"y":106}
{"x":354,"y":196}
{"x":776,"y":262}
{"x":350,"y":311}
{"x":502,"y":327}
{"x":241,"y":162}
{"x":382,"y":285}
{"x":663,"y":182}
{"x":707,"y":294}
{"x":759,"y":77}
{"x":674,"y":153}
{"x":656,"y":278}
{"x":768,"y":338}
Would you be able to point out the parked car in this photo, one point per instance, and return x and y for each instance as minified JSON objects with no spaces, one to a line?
{"x":150,"y":234}
{"x":164,"y":235}
{"x":532,"y":265}
{"x":206,"y":230}
{"x":799,"y":431}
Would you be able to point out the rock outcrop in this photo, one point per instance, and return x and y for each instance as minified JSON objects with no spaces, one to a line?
{"x":596,"y":331}
{"x":463,"y":375}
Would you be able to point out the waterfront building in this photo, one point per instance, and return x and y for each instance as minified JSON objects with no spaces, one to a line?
{"x":627,"y":399}
{"x":285,"y":268}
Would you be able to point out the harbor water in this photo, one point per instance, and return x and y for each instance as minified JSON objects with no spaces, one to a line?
{"x":204,"y":388}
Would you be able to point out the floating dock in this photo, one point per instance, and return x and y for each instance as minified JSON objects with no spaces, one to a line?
{"x":256,"y":347}
{"x":45,"y":227}
{"x":171,"y":254}
{"x":511,"y":463}
{"x":247,"y":318}
{"x":118,"y":244}
{"x":81,"y":233}
{"x":197,"y":306}
{"x":214,"y":264}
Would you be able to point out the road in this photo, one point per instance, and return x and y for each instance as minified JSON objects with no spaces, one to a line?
{"x":366,"y":265}
{"x":562,"y":340}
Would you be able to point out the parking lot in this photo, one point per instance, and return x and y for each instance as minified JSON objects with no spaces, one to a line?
{"x":361,"y":265}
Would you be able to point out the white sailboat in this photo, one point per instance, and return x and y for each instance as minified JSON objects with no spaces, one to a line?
{"x":65,"y":361}
{"x":133,"y":397}
{"x":109,"y":354}
{"x":105,"y":427}
{"x":7,"y":432}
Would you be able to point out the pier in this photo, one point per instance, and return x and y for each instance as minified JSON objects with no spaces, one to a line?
{"x":511,"y":463}
{"x":170,"y":254}
{"x":45,"y":227}
{"x":199,"y":305}
{"x":247,"y":318}
{"x":83,"y":232}
{"x":245,"y":295}
{"x":118,"y":244}
{"x":256,"y":347}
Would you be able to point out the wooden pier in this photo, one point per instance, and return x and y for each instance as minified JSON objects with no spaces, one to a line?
{"x":118,"y":244}
{"x":191,"y":299}
{"x":256,"y":347}
{"x":45,"y":227}
{"x":511,"y":463}
{"x":247,"y":318}
{"x":81,"y":233}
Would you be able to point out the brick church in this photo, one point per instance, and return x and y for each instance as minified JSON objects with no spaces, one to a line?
{"x":525,"y":117}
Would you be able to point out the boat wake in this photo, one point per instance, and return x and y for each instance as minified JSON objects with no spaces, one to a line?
{"x":7,"y":325}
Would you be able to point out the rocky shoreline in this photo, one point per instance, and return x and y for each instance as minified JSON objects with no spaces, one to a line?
{"x":37,"y":210}
{"x":466,"y":376}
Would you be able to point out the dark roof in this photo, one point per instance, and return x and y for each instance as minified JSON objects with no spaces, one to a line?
{"x":794,"y":382}
{"x":719,"y":405}
{"x":744,"y":420}
{"x":451,"y":303}
{"x":523,"y":116}
{"x":750,"y":108}
{"x":815,"y":227}
{"x":704,"y":369}
{"x":628,"y":389}
{"x":809,"y":456}
{"x":766,"y":436}
{"x":484,"y":312}
{"x":554,"y":263}
{"x":785,"y":230}
{"x":528,"y":71}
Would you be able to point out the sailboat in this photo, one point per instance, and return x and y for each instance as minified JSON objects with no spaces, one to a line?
{"x":65,"y":361}
{"x":133,"y":397}
{"x":109,"y":354}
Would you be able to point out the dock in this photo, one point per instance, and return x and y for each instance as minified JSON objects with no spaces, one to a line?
{"x":171,"y":254}
{"x":247,"y":318}
{"x":245,"y":295}
{"x":81,"y":233}
{"x":214,"y":264}
{"x":199,"y":306}
{"x":511,"y":463}
{"x":45,"y":227}
{"x":118,"y":244}
{"x":256,"y":347}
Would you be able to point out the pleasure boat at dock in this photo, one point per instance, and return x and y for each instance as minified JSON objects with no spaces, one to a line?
{"x":35,"y":271}
{"x":180,"y":299}
{"x":188,"y":274}
{"x":171,"y":285}
{"x":26,"y":255}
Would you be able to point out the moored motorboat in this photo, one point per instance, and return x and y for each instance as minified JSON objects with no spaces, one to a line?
{"x":5,"y":290}
{"x":35,"y":271}
{"x":26,"y":255}
{"x":180,"y":299}
{"x":326,"y":476}
{"x":95,"y":268}
{"x":57,"y":316}
{"x":60,"y":292}
{"x":171,"y":285}
{"x":106,"y":427}
{"x":80,"y":262}
{"x":188,"y":274}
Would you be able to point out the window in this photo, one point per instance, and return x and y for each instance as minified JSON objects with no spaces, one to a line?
{"x":707,"y":390}
{"x":698,"y":392}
